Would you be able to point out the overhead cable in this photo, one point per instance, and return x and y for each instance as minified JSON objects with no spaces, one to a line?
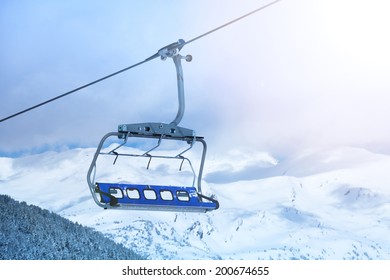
{"x":178,"y":45}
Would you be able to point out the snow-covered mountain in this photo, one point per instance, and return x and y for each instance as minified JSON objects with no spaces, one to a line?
{"x":329,"y":204}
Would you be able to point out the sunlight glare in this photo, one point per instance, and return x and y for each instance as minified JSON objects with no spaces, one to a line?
{"x":359,"y":29}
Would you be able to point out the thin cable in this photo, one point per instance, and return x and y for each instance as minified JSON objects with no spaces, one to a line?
{"x":134,"y":65}
{"x":231,"y":22}
{"x":77,"y":89}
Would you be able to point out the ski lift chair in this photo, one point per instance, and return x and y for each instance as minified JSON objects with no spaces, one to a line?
{"x":113,"y":195}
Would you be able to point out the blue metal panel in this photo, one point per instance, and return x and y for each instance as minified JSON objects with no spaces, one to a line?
{"x":155,"y":197}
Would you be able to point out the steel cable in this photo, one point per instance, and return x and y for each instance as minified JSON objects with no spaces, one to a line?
{"x":139,"y":63}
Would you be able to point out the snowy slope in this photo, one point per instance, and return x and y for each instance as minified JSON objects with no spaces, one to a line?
{"x":330,"y":204}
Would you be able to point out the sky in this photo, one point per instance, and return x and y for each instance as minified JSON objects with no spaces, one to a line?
{"x":301,"y":74}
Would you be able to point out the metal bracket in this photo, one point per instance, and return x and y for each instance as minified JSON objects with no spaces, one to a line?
{"x":172,"y":51}
{"x":156,"y":129}
{"x":172,"y":129}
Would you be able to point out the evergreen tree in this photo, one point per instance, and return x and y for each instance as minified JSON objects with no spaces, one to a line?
{"x":28,"y":232}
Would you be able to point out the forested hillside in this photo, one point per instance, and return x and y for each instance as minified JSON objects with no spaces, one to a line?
{"x":30,"y":233}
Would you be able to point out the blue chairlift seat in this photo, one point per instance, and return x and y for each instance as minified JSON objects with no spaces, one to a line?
{"x":152,"y":197}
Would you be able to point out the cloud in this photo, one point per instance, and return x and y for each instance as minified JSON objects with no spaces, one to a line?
{"x":279,"y":81}
{"x":239,"y":164}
